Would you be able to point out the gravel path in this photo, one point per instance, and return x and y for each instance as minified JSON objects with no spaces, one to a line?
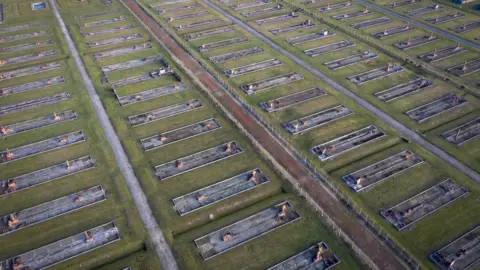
{"x":159,"y":243}
{"x":416,"y":138}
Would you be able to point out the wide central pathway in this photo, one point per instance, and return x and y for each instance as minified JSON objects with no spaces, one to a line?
{"x":158,"y":240}
{"x":416,"y":138}
{"x":381,"y":256}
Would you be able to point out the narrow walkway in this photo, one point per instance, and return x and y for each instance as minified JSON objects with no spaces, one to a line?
{"x":416,"y":138}
{"x":158,"y":240}
{"x":366,"y":241}
{"x":426,"y":26}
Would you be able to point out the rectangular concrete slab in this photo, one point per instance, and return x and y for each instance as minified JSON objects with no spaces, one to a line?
{"x":415,"y":42}
{"x":42,"y":147}
{"x":466,"y":27}
{"x":219,"y":191}
{"x":442,"y":53}
{"x":374,"y":74}
{"x":46,"y":175}
{"x":27,"y":58}
{"x":34,"y":103}
{"x":102,"y":22}
{"x":424,"y":10}
{"x":445,"y":18}
{"x":115,"y":40}
{"x":364,"y":179}
{"x":371,"y":23}
{"x":208,"y":33}
{"x":296,"y":27}
{"x":310,"y":37}
{"x":277,"y":19}
{"x":236,"y":55}
{"x":24,"y":36}
{"x":154,"y":74}
{"x":22,"y":27}
{"x":52,"y":209}
{"x":403,"y":90}
{"x":410,"y":211}
{"x":239,"y":71}
{"x":221,"y":44}
{"x":26,"y":46}
{"x":107,"y":31}
{"x":97,"y":14}
{"x":307,"y":259}
{"x":35,"y":85}
{"x":182,"y":27}
{"x":315,"y":120}
{"x":392,"y":31}
{"x":332,"y":47}
{"x":396,"y":4}
{"x":462,"y":253}
{"x":123,"y":51}
{"x":467,"y":68}
{"x":30,"y":125}
{"x":446,"y":103}
{"x":175,"y":9}
{"x":245,"y":230}
{"x":150,"y":94}
{"x":348,"y":142}
{"x":463,"y":133}
{"x":254,"y":87}
{"x":187,"y":16}
{"x":250,"y":4}
{"x":264,"y":11}
{"x":64,"y":249}
{"x":179,"y":134}
{"x":164,"y":112}
{"x":352,"y":15}
{"x":351,"y":60}
{"x":280,"y":103}
{"x":171,"y":2}
{"x":197,"y":160}
{"x":132,"y":64}
{"x":339,"y":6}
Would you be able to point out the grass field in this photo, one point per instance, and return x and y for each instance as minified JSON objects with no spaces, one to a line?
{"x":425,"y":236}
{"x":178,"y":230}
{"x":117,"y":207}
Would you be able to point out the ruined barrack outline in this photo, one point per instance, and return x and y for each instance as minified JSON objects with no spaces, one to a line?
{"x":7,"y":127}
{"x":225,"y":198}
{"x":176,"y":104}
{"x":239,"y":151}
{"x":79,"y":254}
{"x":431,"y":212}
{"x":321,"y":244}
{"x":176,"y":129}
{"x":83,"y":139}
{"x":89,"y":158}
{"x":458,"y":128}
{"x":345,"y":178}
{"x":253,"y":238}
{"x":460,"y":104}
{"x":56,"y":216}
{"x":383,"y":134}
{"x":268,"y":109}
{"x":453,"y":242}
